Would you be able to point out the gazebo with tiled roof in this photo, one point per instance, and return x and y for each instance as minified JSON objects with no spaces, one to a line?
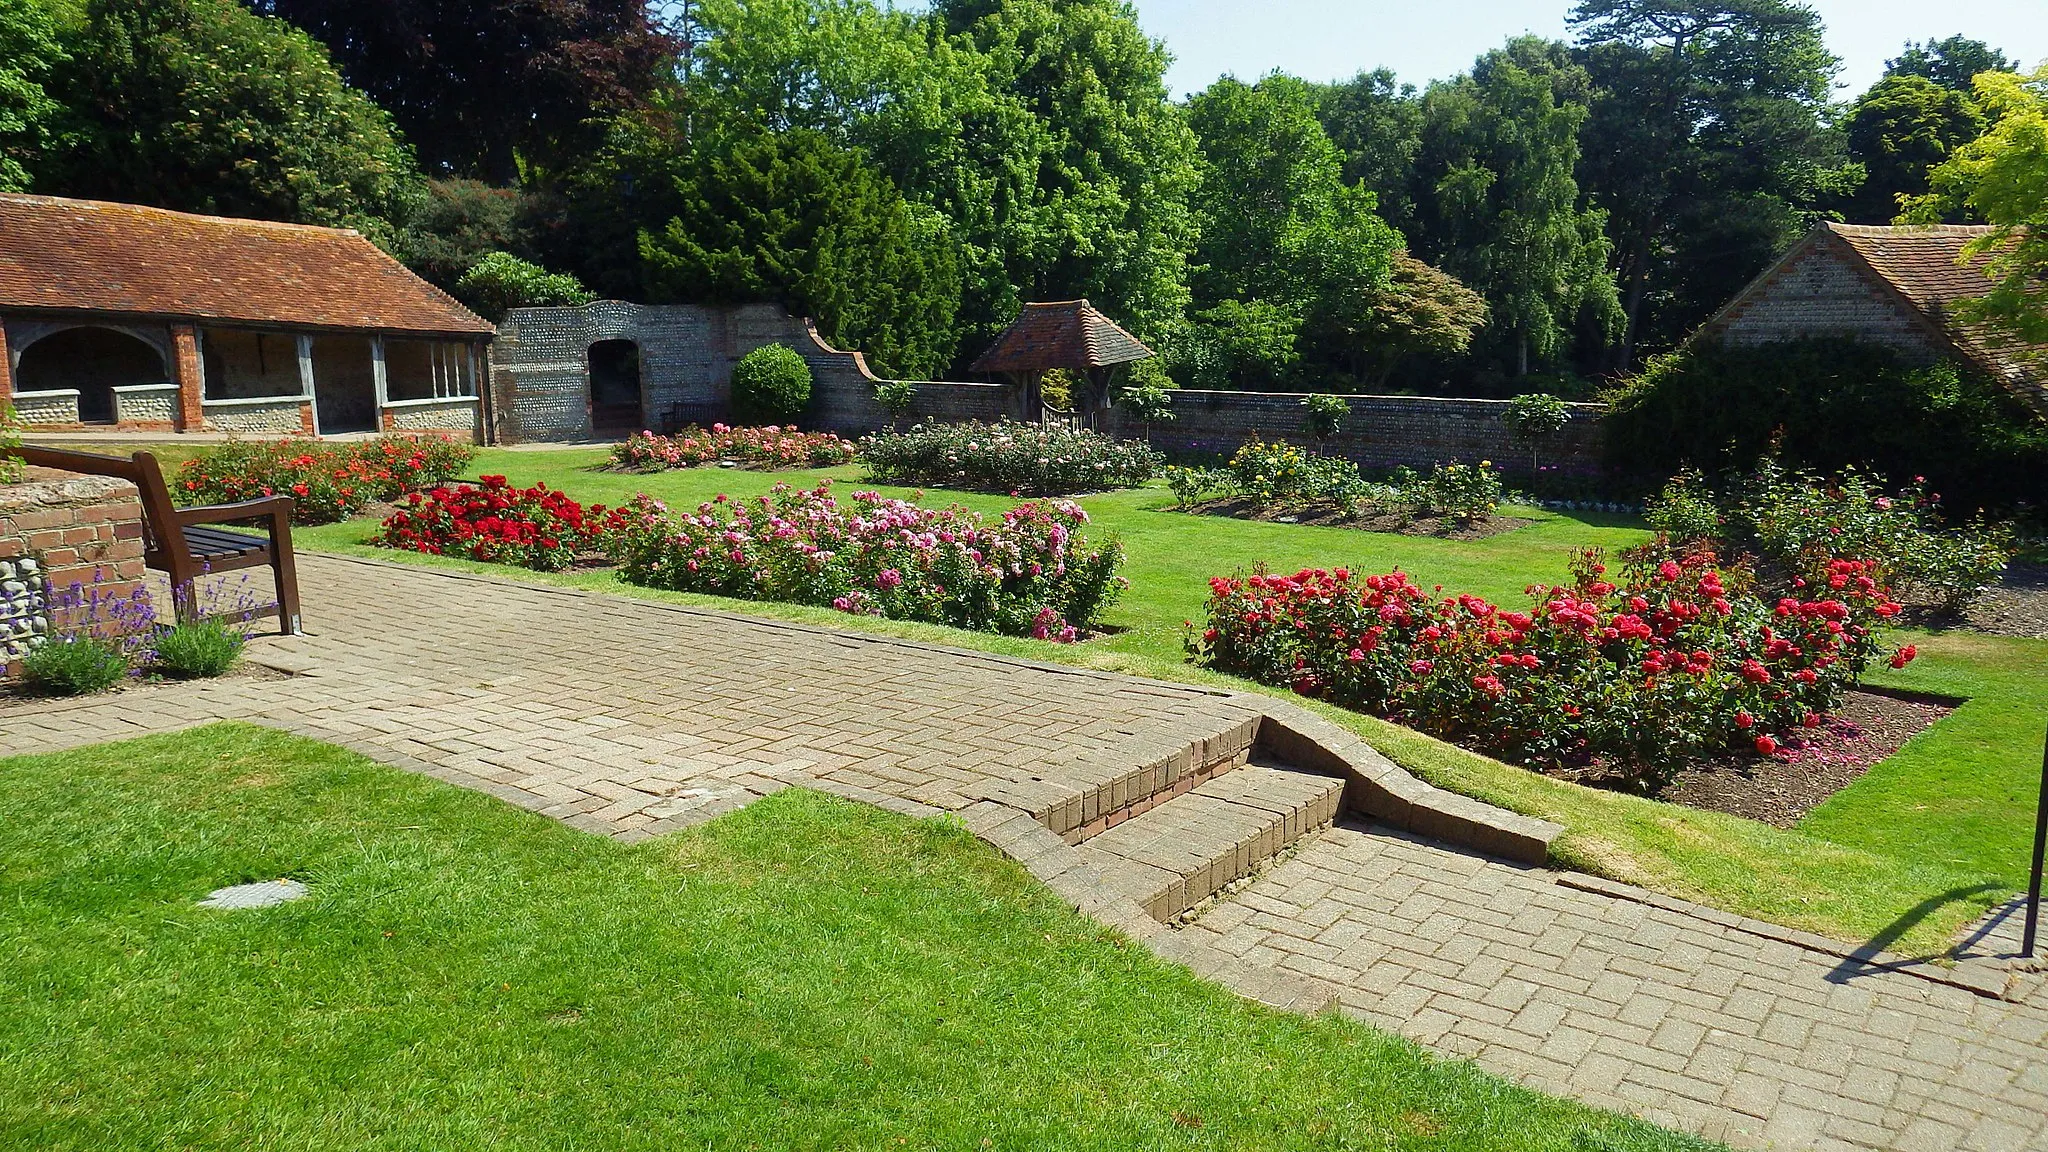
{"x":1066,"y":334}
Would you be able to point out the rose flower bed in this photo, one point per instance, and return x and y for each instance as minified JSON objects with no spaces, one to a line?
{"x":535,"y":527}
{"x":1008,"y":457}
{"x":329,"y":481}
{"x":1625,"y":680}
{"x":764,"y":448}
{"x":1029,"y":574}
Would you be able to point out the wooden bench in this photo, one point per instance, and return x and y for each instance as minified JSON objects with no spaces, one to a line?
{"x":186,"y":543}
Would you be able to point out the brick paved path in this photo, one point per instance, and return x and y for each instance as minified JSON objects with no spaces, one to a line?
{"x":630,"y":718}
{"x":1642,"y":1009}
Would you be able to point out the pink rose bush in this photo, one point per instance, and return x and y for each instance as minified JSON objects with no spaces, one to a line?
{"x":1678,"y":659}
{"x":765,"y":448}
{"x":1031,"y":573}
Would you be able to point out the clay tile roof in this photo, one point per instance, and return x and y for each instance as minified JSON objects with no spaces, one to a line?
{"x":1064,"y":334}
{"x":1926,"y":264}
{"x":89,"y":255}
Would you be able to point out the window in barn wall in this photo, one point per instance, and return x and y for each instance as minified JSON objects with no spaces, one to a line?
{"x":246,"y":365}
{"x":429,"y":370}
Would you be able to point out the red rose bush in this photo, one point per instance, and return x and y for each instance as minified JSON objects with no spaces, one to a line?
{"x":766,"y":448}
{"x":535,"y":527}
{"x":1031,"y":573}
{"x":1630,"y":678}
{"x":328,"y":481}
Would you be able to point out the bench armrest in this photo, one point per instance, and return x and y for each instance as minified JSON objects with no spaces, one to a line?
{"x":247,"y":510}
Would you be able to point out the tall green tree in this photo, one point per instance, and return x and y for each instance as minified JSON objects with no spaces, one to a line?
{"x":794,"y":218}
{"x":1107,"y":213}
{"x":1040,"y":128}
{"x":481,"y":85}
{"x":2003,"y":178}
{"x":1709,"y":145}
{"x":1287,"y":247}
{"x":1500,"y":146}
{"x":29,"y":55}
{"x":1952,"y":63}
{"x":1901,"y":128}
{"x":1376,"y":122}
{"x":205,"y":106}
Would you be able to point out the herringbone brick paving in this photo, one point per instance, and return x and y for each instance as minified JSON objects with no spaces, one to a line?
{"x":630,"y":719}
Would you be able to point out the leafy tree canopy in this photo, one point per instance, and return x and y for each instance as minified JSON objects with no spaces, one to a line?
{"x":1287,"y":247}
{"x":1898,"y":130}
{"x":1040,"y":129}
{"x":1376,"y":122}
{"x":480,"y":85}
{"x":29,"y":54}
{"x":500,"y":282}
{"x":1952,"y":63}
{"x":1423,"y":312}
{"x":2002,"y":177}
{"x":1709,"y":144}
{"x":459,"y":223}
{"x":204,"y":106}
{"x":1500,"y":147}
{"x":794,"y":218}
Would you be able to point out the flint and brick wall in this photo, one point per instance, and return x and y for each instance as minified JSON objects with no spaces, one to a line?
{"x":540,"y":385}
{"x":286,"y":415}
{"x":57,"y":530}
{"x":457,"y":417}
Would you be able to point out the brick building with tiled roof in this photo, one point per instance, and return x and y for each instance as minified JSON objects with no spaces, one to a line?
{"x":119,"y":316}
{"x":1892,"y":285}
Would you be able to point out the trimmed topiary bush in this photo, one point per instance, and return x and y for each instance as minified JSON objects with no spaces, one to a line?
{"x":770,"y":385}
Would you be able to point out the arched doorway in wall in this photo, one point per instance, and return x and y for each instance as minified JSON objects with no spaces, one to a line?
{"x":93,"y":360}
{"x":615,"y":392}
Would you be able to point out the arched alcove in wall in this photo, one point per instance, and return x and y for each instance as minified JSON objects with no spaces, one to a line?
{"x":615,"y":391}
{"x":93,"y":360}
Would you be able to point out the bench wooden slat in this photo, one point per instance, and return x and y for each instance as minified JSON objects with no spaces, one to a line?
{"x":216,"y":543}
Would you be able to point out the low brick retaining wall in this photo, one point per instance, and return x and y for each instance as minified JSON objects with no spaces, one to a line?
{"x":1381,"y":432}
{"x":58,"y":530}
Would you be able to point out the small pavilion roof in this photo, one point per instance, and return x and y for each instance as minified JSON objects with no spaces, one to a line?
{"x":1068,"y":334}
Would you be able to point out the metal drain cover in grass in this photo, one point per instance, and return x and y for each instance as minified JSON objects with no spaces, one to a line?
{"x":267,"y":894}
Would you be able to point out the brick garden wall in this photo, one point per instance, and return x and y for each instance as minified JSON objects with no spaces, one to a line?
{"x":1381,"y":432}
{"x":57,"y":530}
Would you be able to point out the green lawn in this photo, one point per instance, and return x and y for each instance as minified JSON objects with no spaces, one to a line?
{"x":807,"y":973}
{"x":1909,"y":854}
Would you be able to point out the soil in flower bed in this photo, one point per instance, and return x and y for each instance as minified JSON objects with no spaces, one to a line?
{"x":1782,"y":789}
{"x":1331,"y":516}
{"x":2018,"y":606}
{"x":19,"y":697}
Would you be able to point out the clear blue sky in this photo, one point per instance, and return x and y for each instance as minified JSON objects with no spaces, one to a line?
{"x":1422,"y":40}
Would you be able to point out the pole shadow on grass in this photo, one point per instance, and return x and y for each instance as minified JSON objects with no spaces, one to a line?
{"x":1862,"y":960}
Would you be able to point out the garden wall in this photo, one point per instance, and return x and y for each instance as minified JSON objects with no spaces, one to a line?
{"x":541,"y":390}
{"x":56,"y":530}
{"x":1382,"y":431}
{"x":540,"y":375}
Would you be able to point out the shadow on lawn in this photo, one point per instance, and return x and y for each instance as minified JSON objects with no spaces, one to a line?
{"x":1860,"y":962}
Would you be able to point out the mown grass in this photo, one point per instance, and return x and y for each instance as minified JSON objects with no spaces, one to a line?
{"x":807,"y":973}
{"x":1909,"y":854}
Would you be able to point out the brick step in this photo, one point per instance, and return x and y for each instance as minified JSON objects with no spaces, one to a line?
{"x":1183,"y":850}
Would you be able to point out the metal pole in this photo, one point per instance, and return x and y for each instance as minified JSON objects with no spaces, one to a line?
{"x":2040,"y":843}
